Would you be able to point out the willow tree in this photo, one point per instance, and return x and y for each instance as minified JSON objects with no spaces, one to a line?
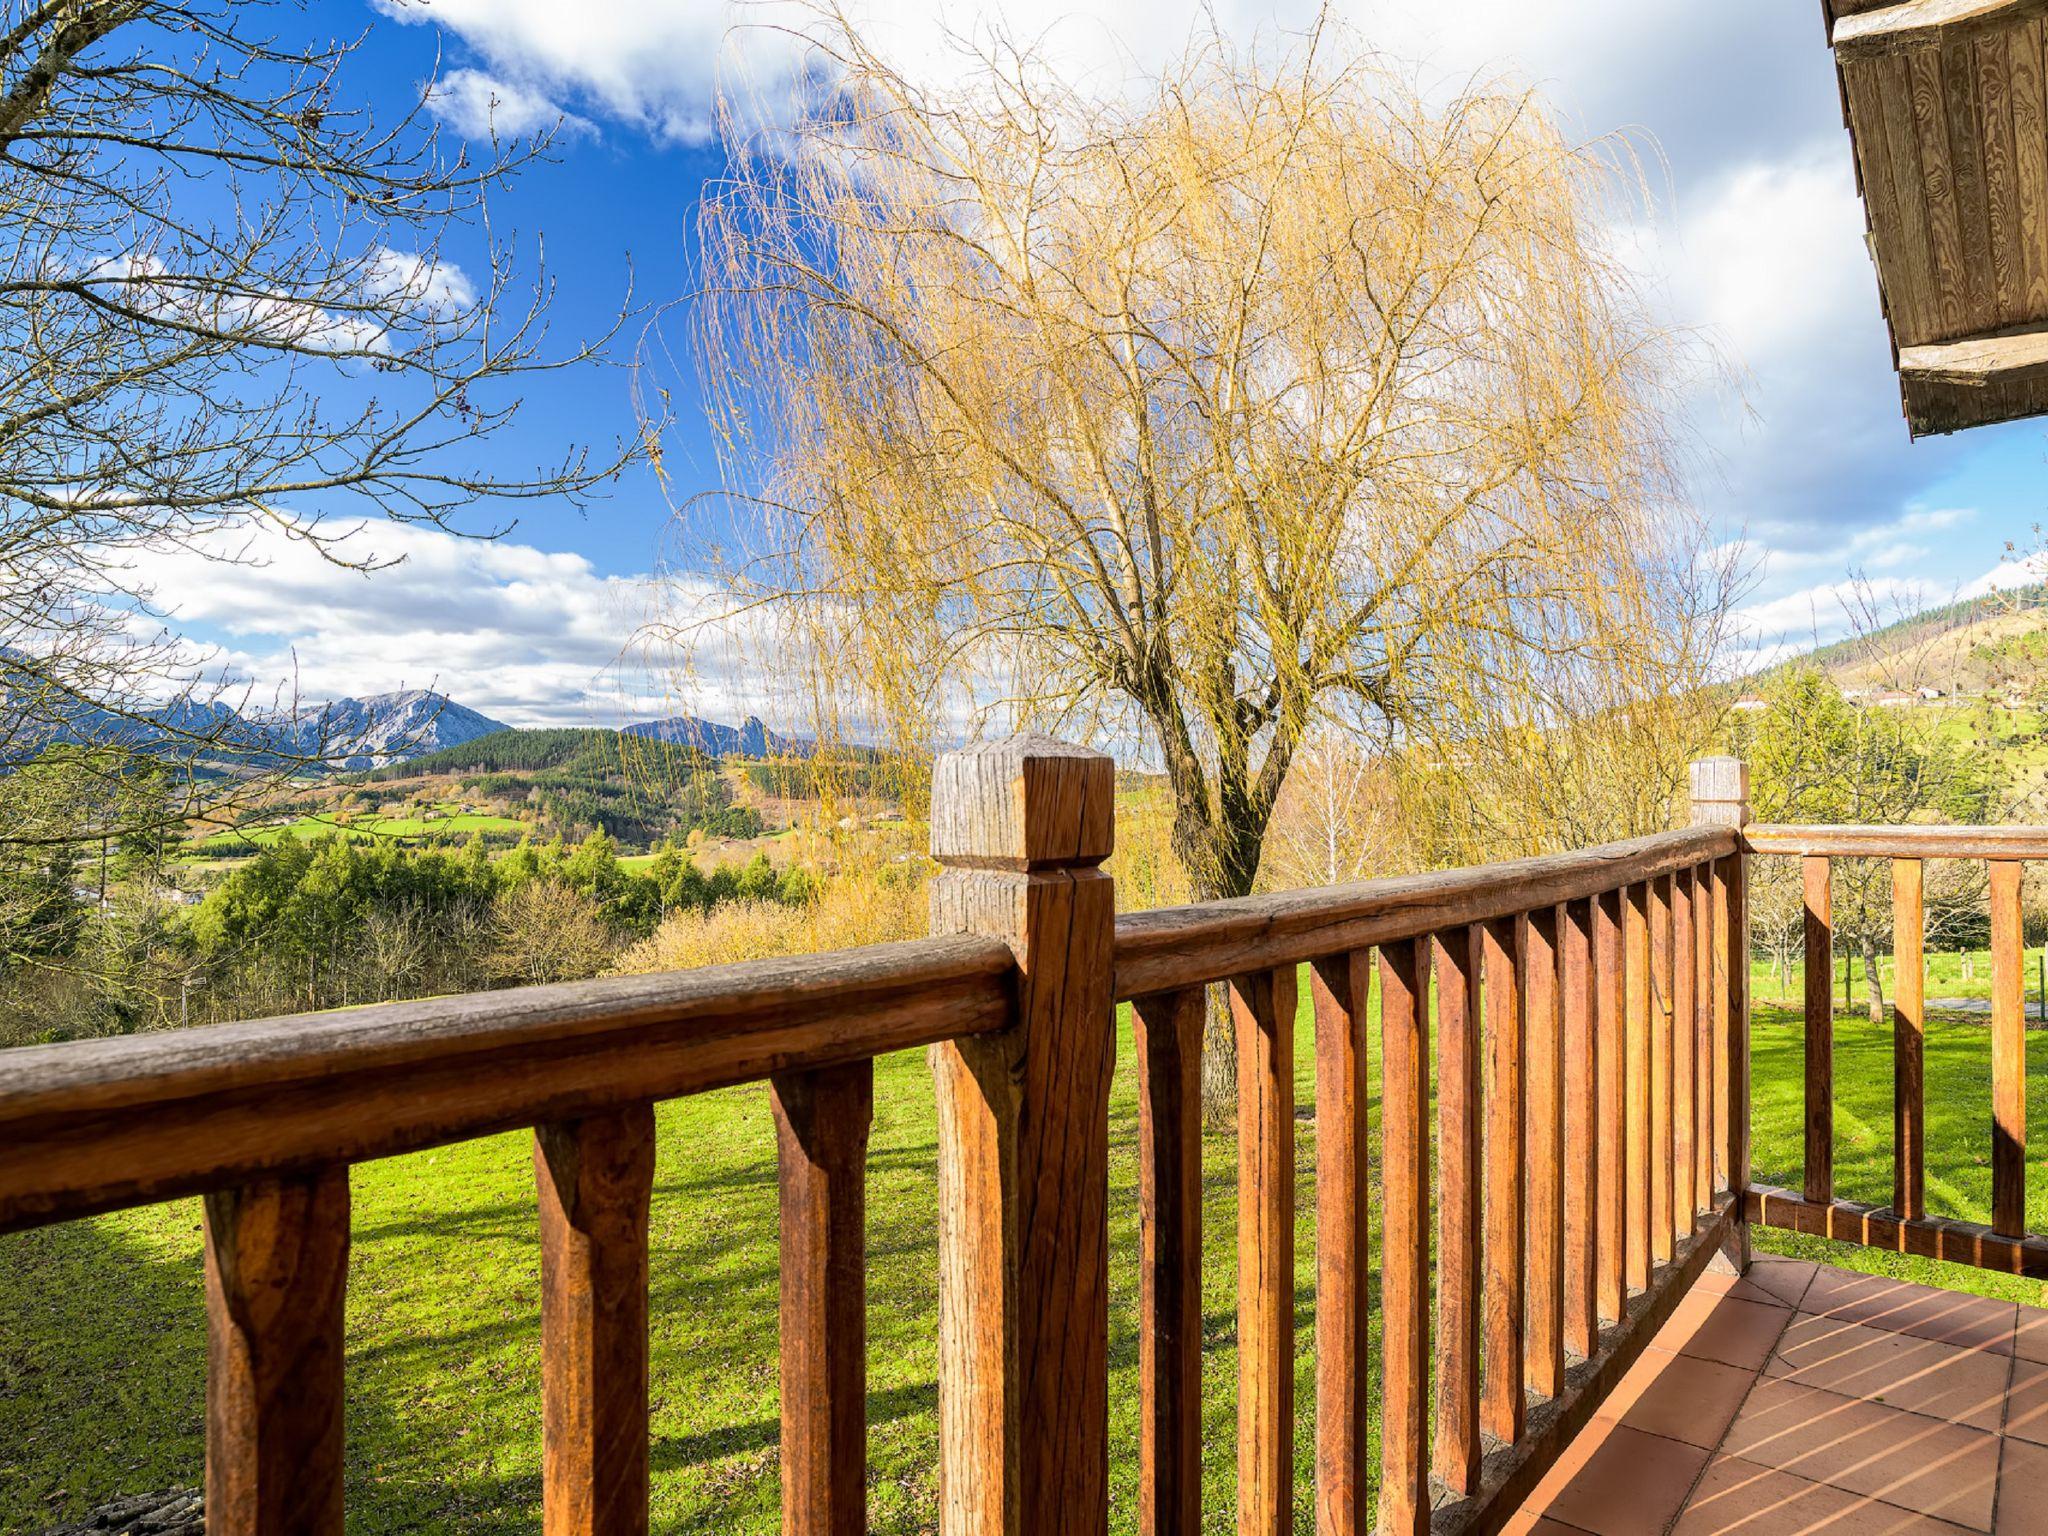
{"x":1183,"y":414}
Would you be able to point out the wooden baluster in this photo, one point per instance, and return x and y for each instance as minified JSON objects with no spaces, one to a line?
{"x":1019,"y":827}
{"x":1502,"y":1400}
{"x":1684,"y":1046}
{"x":1720,"y":798}
{"x":1404,"y":1261}
{"x":1820,"y":1032}
{"x":1168,"y":1037}
{"x":1263,"y":1007}
{"x":821,"y":1135}
{"x":1340,"y":988}
{"x":1663,"y":1083}
{"x":1459,"y":1127}
{"x":1635,"y":920}
{"x":1609,"y":987}
{"x":595,"y":1178}
{"x":2008,"y":1054}
{"x":276,"y":1275}
{"x":1703,"y":1035}
{"x":1543,"y":1023}
{"x":1909,"y":1039}
{"x":1581,"y":1135}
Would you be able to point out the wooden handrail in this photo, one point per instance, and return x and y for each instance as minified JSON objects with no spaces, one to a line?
{"x":1171,"y":948}
{"x":98,"y":1125}
{"x":1909,"y":842}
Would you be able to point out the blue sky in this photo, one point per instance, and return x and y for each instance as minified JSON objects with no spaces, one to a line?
{"x":1755,"y":239}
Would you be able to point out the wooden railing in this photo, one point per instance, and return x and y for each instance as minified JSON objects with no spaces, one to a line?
{"x":1905,"y":1226}
{"x":1591,"y":1136}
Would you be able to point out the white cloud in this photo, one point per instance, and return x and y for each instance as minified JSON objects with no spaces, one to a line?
{"x":528,"y":636}
{"x":481,"y":106}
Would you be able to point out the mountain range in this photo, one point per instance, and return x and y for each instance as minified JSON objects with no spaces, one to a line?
{"x":351,"y":734}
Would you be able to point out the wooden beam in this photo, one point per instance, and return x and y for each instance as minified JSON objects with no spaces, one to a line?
{"x":1174,"y":947}
{"x":1861,"y":842}
{"x":1915,"y":24}
{"x":1927,"y":1237}
{"x":97,"y":1125}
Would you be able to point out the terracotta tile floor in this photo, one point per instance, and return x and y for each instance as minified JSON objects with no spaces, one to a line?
{"x":1804,"y":1399}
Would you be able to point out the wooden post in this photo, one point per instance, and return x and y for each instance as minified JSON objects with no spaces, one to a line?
{"x":1168,"y":1037}
{"x":1262,"y":1006}
{"x":1581,"y":1135}
{"x":1459,"y":1110}
{"x":1019,"y":827}
{"x":1501,"y":1401}
{"x":1816,"y":873}
{"x":1635,"y":1024}
{"x":1543,"y":1024}
{"x":276,"y":1273}
{"x":1720,"y":798}
{"x":1341,"y":987}
{"x":595,"y":1178}
{"x":1404,"y":1277}
{"x":1663,"y":1165}
{"x":2008,"y":1054}
{"x":1909,"y":1040}
{"x":821,"y":1133}
{"x":1611,"y":1048}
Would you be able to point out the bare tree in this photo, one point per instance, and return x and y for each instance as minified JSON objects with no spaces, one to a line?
{"x":1190,"y":411}
{"x":225,"y":307}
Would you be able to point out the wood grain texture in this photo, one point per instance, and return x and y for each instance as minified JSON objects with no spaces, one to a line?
{"x":1731,"y":987}
{"x":1167,"y":1035}
{"x":1262,"y":1006}
{"x":595,"y":1178}
{"x":1612,"y":1130}
{"x":1909,"y":1040}
{"x":1820,"y":1029}
{"x":1636,"y":1174}
{"x":1501,"y":1393}
{"x":1663,"y":1078}
{"x":276,"y":1277}
{"x":1684,"y":1057}
{"x":1916,"y":842}
{"x":1581,"y":1134}
{"x":1460,"y":1128}
{"x":1926,"y":1237}
{"x":1543,"y":1028}
{"x":97,"y":1125}
{"x":1175,"y":947}
{"x":1023,"y":1123}
{"x":2008,"y":1055}
{"x":822,"y":1120}
{"x":1340,"y":989}
{"x":1703,"y":1033}
{"x":1404,"y":1258}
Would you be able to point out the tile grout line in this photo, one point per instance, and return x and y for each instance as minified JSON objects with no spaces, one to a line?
{"x":2004,"y":1417}
{"x":1714,"y":1451}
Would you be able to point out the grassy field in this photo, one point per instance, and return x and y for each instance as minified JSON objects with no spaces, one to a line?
{"x":441,"y":821}
{"x":102,"y":1356}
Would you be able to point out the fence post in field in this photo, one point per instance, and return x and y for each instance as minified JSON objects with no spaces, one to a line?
{"x":1720,"y":798}
{"x":1019,"y":828}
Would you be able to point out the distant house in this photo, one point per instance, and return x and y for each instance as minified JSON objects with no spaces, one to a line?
{"x":1931,"y":693}
{"x":1749,"y":703}
{"x":1892,"y":698}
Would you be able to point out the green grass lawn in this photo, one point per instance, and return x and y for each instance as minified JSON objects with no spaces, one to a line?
{"x":102,"y":1355}
{"x":365,"y":828}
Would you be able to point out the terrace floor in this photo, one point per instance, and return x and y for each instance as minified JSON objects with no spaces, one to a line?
{"x":1803,"y":1398}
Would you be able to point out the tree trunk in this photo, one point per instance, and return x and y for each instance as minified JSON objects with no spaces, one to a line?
{"x":1873,"y":978}
{"x":1219,"y":1062}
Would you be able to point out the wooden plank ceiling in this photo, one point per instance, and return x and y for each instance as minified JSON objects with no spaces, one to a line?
{"x":1947,"y":107}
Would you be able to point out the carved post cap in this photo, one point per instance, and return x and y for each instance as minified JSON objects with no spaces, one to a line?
{"x":1029,"y":801}
{"x":1720,"y":792}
